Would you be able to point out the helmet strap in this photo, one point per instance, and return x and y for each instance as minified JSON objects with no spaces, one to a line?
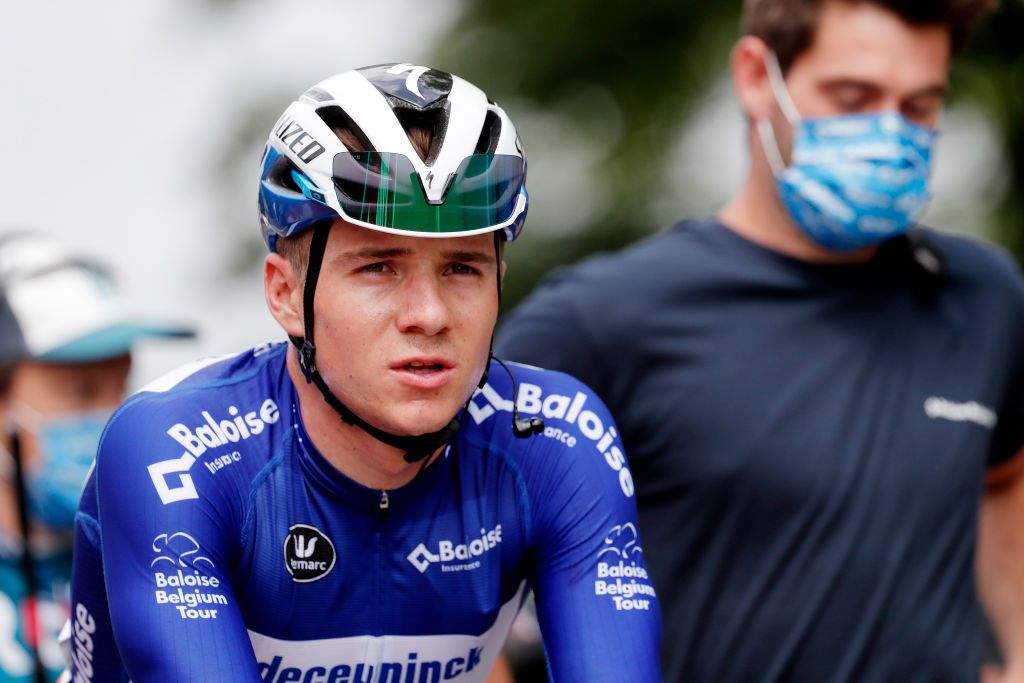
{"x":416,"y":447}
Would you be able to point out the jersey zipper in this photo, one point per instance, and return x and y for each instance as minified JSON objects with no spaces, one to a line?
{"x":383,"y":508}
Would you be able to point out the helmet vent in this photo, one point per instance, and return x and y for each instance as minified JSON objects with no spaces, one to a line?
{"x":489,"y":134}
{"x":350,"y":134}
{"x":280,"y":175}
{"x":425,"y":129}
{"x":318,"y":95}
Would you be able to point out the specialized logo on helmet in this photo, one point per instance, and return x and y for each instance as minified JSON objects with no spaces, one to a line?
{"x":298,"y":140}
{"x":308,"y":554}
{"x":417,"y":85}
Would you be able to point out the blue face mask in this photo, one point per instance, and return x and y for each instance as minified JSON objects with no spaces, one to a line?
{"x":67,"y":448}
{"x":855,"y":180}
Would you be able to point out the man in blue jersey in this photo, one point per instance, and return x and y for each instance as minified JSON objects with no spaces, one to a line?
{"x":372,"y":501}
{"x":817,"y":396}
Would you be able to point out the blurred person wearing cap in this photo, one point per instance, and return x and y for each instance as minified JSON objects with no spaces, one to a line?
{"x":822,"y":401}
{"x":65,"y":355}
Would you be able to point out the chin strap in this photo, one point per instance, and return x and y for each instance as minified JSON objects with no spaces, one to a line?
{"x":416,"y":447}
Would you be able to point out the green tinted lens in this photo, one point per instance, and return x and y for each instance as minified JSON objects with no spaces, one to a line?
{"x":384,"y":189}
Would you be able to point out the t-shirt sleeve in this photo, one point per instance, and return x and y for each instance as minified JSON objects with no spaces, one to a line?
{"x":1008,"y":441}
{"x":597,"y":608}
{"x":167,"y":536}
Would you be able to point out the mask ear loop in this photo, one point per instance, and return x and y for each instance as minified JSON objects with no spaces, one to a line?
{"x":781,"y":92}
{"x":769,"y":142}
{"x":770,"y":145}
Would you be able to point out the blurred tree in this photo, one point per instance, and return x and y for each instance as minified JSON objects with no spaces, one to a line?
{"x":627,"y":76}
{"x":992,"y":74}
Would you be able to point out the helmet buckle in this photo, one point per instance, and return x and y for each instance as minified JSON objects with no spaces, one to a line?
{"x":307,"y":355}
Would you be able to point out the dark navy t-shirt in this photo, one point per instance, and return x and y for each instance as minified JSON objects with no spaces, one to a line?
{"x":810,"y":444}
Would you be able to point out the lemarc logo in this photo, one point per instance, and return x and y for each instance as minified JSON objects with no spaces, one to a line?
{"x":308,"y":554}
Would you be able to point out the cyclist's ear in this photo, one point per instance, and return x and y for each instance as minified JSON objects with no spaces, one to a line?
{"x":283,"y":291}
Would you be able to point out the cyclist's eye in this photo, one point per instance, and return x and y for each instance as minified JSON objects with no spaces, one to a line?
{"x":462,"y":269}
{"x":378,"y":267}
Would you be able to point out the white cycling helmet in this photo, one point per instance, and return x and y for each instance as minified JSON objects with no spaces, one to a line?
{"x":472,"y":180}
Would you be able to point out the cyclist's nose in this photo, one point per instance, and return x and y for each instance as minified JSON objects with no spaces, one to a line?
{"x":424,"y":308}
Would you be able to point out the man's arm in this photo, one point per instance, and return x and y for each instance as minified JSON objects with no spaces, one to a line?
{"x":597,"y":608}
{"x":1000,"y":562}
{"x":164,"y":537}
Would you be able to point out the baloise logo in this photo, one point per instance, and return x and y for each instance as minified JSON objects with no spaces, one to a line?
{"x":308,"y":554}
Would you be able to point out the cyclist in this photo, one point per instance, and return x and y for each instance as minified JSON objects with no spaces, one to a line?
{"x":348,"y":507}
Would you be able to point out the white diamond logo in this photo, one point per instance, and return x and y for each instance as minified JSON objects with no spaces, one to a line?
{"x":421,"y":558}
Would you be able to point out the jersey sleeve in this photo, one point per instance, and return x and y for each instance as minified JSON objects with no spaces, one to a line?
{"x":167,"y":534}
{"x":92,"y":652}
{"x":597,"y":607}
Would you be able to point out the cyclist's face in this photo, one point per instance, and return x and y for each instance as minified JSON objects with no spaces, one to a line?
{"x":865,"y":58}
{"x":403,"y":324}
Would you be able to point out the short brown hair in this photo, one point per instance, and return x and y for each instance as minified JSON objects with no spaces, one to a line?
{"x":296,"y":249}
{"x":788,"y":26}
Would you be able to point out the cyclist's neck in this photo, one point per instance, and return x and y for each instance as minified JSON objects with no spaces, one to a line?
{"x":348,"y":448}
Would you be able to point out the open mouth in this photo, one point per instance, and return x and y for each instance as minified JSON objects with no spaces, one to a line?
{"x":419,"y":368}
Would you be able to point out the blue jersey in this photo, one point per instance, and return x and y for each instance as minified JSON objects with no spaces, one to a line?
{"x":215,"y":543}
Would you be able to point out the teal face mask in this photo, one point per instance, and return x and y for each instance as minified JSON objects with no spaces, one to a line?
{"x":67,"y":449}
{"x":854,"y":180}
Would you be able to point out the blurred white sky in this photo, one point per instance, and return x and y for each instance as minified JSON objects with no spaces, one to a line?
{"x":115,"y":111}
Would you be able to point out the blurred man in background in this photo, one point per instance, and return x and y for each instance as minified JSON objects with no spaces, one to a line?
{"x":65,"y":354}
{"x":816,"y":395}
